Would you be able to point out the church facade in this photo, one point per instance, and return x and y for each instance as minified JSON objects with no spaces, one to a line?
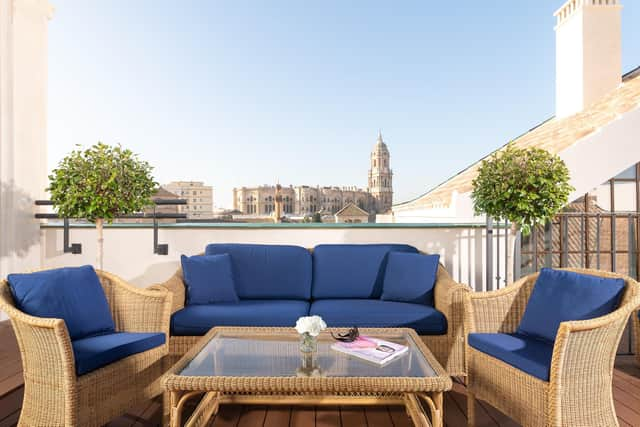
{"x":307,"y":200}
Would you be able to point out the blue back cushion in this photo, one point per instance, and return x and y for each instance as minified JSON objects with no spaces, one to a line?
{"x":208,"y":279}
{"x":351,"y":271}
{"x":410,"y":278}
{"x":560,"y":296}
{"x":268,"y":271}
{"x":73,"y":294}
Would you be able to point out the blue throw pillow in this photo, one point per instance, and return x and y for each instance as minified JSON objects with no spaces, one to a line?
{"x":208,"y":279}
{"x":410,"y":278}
{"x":73,"y":294}
{"x":560,"y":296}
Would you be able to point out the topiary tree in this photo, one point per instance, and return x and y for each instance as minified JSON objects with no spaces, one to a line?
{"x":100,"y":183}
{"x":524,"y":186}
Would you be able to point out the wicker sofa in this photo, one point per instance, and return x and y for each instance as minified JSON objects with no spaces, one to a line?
{"x":569,"y":379}
{"x":75,"y":382}
{"x":447,"y":345}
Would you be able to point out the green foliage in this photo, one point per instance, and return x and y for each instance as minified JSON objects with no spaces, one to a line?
{"x":316,"y":217}
{"x":525,"y":186}
{"x":101,"y":182}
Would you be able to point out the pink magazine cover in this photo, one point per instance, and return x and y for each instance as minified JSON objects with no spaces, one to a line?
{"x":371,"y":349}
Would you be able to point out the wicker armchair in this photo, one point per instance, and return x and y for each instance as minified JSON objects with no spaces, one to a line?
{"x":53,"y":394}
{"x":579,"y":390}
{"x":449,"y":299}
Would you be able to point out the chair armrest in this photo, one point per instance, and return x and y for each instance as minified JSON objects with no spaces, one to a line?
{"x":497,"y":311}
{"x":135,"y":309}
{"x":45,"y":350}
{"x":175,"y":285}
{"x":584,"y":354}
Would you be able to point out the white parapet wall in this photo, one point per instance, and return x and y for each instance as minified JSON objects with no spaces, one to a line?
{"x":129,"y":249}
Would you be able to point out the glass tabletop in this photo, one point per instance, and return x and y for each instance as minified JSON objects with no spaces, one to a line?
{"x":278,"y":355}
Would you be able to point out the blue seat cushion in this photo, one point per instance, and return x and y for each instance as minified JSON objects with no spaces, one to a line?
{"x":560,"y":296}
{"x":92,"y":353}
{"x":410,"y":278}
{"x":208,"y":279}
{"x":370,"y":313}
{"x":268,"y":271}
{"x":73,"y":294}
{"x":527,"y":353}
{"x":351,"y":271}
{"x":198,"y":319}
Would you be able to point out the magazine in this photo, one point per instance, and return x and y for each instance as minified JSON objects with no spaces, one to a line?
{"x":371,"y":349}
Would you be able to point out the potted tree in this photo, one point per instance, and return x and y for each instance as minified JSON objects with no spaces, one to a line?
{"x":100,"y":183}
{"x":526,"y":186}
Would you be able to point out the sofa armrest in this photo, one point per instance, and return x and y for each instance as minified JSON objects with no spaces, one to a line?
{"x":497,"y":311}
{"x":449,"y":294}
{"x":135,"y":309}
{"x":175,"y":286}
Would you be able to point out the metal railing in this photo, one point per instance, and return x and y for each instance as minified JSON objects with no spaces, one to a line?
{"x":158,"y":248}
{"x":600,"y":240}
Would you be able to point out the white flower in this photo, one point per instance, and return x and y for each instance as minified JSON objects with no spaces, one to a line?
{"x":311,"y":325}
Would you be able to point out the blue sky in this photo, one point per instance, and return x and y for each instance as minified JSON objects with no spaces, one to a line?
{"x":249,"y":92}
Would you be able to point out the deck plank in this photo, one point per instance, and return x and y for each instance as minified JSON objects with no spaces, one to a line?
{"x":453,"y":415}
{"x":303,"y":416}
{"x":277,"y":416}
{"x":228,"y":416}
{"x":327,"y":416}
{"x":11,"y":402}
{"x":353,"y":416}
{"x":377,"y":416}
{"x":483,"y":419}
{"x":399,"y":416}
{"x":253,"y":416}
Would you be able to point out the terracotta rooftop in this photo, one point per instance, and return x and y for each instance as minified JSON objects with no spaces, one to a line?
{"x":351,"y":210}
{"x":163,"y":193}
{"x":553,"y":135}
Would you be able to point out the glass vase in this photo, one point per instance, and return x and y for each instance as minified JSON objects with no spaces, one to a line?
{"x":308,"y":343}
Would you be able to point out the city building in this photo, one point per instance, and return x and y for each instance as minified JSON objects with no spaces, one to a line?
{"x":351,"y":214}
{"x":307,"y":200}
{"x":199,"y":198}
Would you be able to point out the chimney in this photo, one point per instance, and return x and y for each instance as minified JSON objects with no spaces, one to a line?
{"x":588,"y":53}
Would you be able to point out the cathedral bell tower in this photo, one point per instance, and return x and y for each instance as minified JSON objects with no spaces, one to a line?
{"x":381,"y":177}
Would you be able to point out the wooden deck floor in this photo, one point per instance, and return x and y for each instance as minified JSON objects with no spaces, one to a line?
{"x":626,"y":392}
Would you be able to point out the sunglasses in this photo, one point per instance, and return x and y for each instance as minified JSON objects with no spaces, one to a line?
{"x":350,"y":336}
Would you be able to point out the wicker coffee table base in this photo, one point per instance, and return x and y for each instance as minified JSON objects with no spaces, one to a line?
{"x":414,"y":403}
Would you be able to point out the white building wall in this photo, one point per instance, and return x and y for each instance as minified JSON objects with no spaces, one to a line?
{"x":603,"y":154}
{"x":23,"y":129}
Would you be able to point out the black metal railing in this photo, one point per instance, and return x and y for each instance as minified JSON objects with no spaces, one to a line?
{"x":158,"y":248}
{"x":600,"y":240}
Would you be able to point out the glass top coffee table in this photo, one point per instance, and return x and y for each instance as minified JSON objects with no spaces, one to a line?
{"x":265,"y":366}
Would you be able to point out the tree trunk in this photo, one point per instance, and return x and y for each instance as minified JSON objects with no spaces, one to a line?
{"x":99,"y":257}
